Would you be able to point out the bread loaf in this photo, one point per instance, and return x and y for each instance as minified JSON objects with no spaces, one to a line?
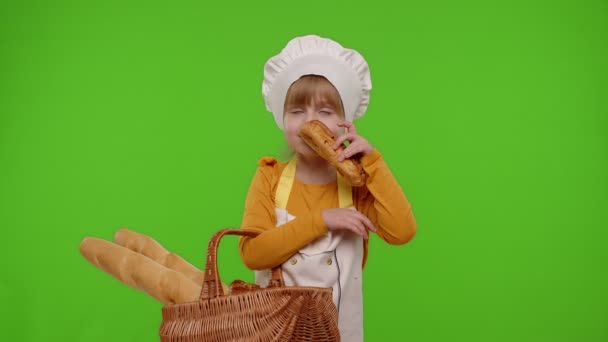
{"x":142,"y":263}
{"x":140,"y":272}
{"x":149,"y":247}
{"x":321,"y":140}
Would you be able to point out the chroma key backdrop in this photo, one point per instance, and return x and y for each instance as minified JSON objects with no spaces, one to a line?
{"x":149,"y":115}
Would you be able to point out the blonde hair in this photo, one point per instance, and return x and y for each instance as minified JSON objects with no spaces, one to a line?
{"x":310,"y":89}
{"x":307,"y":90}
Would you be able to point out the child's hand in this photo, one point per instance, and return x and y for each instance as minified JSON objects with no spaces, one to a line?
{"x":347,"y":219}
{"x":356,"y":142}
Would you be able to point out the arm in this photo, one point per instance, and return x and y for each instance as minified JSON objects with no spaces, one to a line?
{"x":384,"y":202}
{"x":274,"y":245}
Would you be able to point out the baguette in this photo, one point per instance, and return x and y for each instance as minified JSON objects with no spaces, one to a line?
{"x":149,"y":247}
{"x":321,"y":140}
{"x":142,"y":263}
{"x":140,"y":272}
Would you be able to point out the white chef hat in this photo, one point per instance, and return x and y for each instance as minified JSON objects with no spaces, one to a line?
{"x":346,"y":69}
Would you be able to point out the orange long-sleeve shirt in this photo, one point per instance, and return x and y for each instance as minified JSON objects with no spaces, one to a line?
{"x":382,"y":200}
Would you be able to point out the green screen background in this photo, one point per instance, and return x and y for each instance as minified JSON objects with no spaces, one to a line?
{"x":149,"y":115}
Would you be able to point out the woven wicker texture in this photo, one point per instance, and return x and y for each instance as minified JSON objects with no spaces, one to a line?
{"x":251,"y":313}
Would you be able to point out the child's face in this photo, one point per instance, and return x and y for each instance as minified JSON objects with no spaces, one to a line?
{"x":296,"y":116}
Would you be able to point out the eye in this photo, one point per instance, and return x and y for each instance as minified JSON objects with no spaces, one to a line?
{"x":326,"y":112}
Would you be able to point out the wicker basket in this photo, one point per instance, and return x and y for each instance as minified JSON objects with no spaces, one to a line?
{"x":251,"y":313}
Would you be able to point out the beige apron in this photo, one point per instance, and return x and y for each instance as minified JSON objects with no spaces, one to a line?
{"x":333,"y":260}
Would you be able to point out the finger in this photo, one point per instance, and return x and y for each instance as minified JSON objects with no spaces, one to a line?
{"x":351,"y":150}
{"x":349,"y":223}
{"x":350,"y":127}
{"x":358,"y":218}
{"x":368,"y":222}
{"x":362,"y":230}
{"x":348,"y":136}
{"x":357,"y":227}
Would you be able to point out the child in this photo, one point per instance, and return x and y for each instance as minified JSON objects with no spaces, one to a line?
{"x":311,"y":222}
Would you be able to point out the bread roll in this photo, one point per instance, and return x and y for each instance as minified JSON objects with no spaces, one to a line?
{"x":321,"y":140}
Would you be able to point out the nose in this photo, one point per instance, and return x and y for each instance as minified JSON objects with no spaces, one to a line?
{"x":311,"y":115}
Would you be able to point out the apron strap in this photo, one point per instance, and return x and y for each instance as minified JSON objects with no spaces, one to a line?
{"x":285,"y":184}
{"x":345,"y":191}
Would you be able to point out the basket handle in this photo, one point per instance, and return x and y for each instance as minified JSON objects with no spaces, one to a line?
{"x":212,"y":286}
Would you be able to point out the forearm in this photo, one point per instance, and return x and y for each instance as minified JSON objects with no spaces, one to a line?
{"x":387,"y":206}
{"x":274,"y":245}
